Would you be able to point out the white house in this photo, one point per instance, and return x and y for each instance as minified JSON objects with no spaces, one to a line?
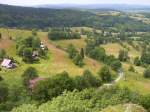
{"x":42,"y":46}
{"x":7,"y":63}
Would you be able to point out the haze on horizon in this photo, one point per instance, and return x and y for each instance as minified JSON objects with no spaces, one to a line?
{"x":82,"y":2}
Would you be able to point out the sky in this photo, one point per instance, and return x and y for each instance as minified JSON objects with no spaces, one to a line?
{"x":41,"y":2}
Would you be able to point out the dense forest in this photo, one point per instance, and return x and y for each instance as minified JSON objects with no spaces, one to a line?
{"x":23,"y":17}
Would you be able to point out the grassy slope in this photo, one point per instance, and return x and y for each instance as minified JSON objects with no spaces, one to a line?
{"x":114,"y":48}
{"x":79,"y":43}
{"x":134,"y":81}
{"x":90,"y":64}
{"x":57,"y":62}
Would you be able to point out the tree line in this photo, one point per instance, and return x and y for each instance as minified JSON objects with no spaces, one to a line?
{"x":23,"y":17}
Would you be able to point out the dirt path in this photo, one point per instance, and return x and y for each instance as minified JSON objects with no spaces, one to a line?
{"x":120,"y":76}
{"x":58,"y":54}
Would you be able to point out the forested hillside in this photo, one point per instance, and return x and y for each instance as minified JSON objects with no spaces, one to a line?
{"x":25,"y":17}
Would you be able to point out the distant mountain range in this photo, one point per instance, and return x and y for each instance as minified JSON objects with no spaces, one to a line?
{"x":121,"y":7}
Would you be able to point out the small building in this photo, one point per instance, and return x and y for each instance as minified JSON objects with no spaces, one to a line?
{"x":42,"y":46}
{"x":34,"y":81}
{"x":35,"y":54}
{"x":7,"y":63}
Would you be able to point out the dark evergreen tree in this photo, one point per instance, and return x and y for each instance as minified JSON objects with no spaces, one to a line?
{"x":147,"y":73}
{"x":123,"y":55}
{"x":78,"y":60}
{"x":137,"y":61}
{"x":82,"y":53}
{"x":3,"y":92}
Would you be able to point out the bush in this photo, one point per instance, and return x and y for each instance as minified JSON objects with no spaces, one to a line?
{"x":123,"y":55}
{"x":116,"y":65}
{"x":145,"y":102}
{"x":105,"y":74}
{"x":3,"y":92}
{"x":62,"y":33}
{"x":137,"y":61}
{"x":2,"y":54}
{"x":90,"y":79}
{"x":131,"y":69}
{"x":52,"y":87}
{"x":72,"y":51}
{"x":147,"y":73}
{"x":27,"y":57}
{"x":29,"y":73}
{"x":1,"y":78}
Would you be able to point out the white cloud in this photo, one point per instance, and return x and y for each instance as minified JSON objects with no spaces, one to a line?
{"x":37,"y":2}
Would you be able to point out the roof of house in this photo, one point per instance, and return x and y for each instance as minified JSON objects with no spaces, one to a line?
{"x":35,"y":53}
{"x":6,"y":62}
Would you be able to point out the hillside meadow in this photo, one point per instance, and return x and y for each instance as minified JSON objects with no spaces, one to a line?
{"x":57,"y":58}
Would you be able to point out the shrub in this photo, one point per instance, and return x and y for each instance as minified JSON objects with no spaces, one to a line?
{"x":123,"y":55}
{"x":116,"y":65}
{"x":105,"y":74}
{"x":147,"y":73}
{"x":131,"y":69}
{"x":29,"y":73}
{"x":137,"y":61}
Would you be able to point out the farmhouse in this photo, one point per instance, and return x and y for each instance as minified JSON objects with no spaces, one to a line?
{"x":7,"y":63}
{"x":42,"y":46}
{"x":35,"y":54}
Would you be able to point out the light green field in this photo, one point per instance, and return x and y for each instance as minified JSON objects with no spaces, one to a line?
{"x":78,"y":43}
{"x":114,"y":48}
{"x":135,"y":81}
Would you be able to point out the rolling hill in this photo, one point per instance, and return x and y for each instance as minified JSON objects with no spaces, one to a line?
{"x":42,"y":18}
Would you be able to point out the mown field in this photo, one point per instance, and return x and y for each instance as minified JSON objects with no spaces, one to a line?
{"x":114,"y":48}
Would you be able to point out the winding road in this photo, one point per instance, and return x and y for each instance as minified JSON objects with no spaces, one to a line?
{"x":120,"y":76}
